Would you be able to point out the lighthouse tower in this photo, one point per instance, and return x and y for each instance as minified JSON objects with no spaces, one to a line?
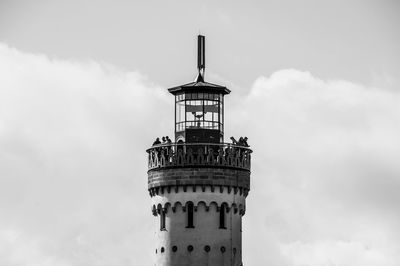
{"x":198,"y":184}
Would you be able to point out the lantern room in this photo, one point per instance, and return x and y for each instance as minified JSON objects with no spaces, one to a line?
{"x":199,"y":107}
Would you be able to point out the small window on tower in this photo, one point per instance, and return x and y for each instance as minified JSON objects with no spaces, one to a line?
{"x":222,"y":217}
{"x":162,"y":221}
{"x":190,"y":210}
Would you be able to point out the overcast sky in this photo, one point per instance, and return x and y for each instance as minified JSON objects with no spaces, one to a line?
{"x":315,"y":87}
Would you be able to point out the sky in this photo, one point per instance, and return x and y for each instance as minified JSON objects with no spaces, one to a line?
{"x":315,"y":87}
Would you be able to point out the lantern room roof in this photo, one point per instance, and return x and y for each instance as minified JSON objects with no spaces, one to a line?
{"x":199,"y":86}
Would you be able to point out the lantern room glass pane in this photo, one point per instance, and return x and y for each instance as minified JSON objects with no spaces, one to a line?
{"x":199,"y":110}
{"x":202,"y":113}
{"x":180,"y":115}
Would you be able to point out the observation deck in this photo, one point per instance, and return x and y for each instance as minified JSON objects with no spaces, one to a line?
{"x":175,"y":165}
{"x":221,"y":155}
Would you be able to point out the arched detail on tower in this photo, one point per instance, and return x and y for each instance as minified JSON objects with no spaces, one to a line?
{"x":159,"y":208}
{"x":227,"y":208}
{"x":203,"y":204}
{"x":167,"y":207}
{"x":189,"y":202}
{"x":214,"y":206}
{"x":177,"y":206}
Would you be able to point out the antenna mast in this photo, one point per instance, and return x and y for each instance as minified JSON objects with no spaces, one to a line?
{"x":201,"y":56}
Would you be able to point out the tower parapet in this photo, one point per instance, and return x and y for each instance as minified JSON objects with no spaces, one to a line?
{"x":199,"y":184}
{"x":222,"y":155}
{"x":224,"y":165}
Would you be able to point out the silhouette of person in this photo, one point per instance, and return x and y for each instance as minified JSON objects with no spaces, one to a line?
{"x":169,"y":147}
{"x":157,"y":141}
{"x":241,"y":141}
{"x":245,"y":142}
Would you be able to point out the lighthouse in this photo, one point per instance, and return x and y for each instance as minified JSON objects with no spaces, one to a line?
{"x":198,"y":184}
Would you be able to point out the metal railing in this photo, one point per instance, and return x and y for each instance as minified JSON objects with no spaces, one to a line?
{"x":199,"y":154}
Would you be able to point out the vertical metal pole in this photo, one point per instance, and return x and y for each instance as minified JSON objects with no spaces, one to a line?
{"x":175,"y":114}
{"x":201,"y":58}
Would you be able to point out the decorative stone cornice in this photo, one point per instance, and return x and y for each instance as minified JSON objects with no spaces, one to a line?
{"x":174,"y":206}
{"x":161,"y":190}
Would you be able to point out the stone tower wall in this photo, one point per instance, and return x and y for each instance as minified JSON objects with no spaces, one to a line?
{"x":173,"y":243}
{"x":214,"y":182}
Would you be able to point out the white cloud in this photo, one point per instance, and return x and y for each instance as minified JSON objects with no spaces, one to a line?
{"x":335,"y":253}
{"x":73,"y":135}
{"x":72,"y":151}
{"x":325,"y":174}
